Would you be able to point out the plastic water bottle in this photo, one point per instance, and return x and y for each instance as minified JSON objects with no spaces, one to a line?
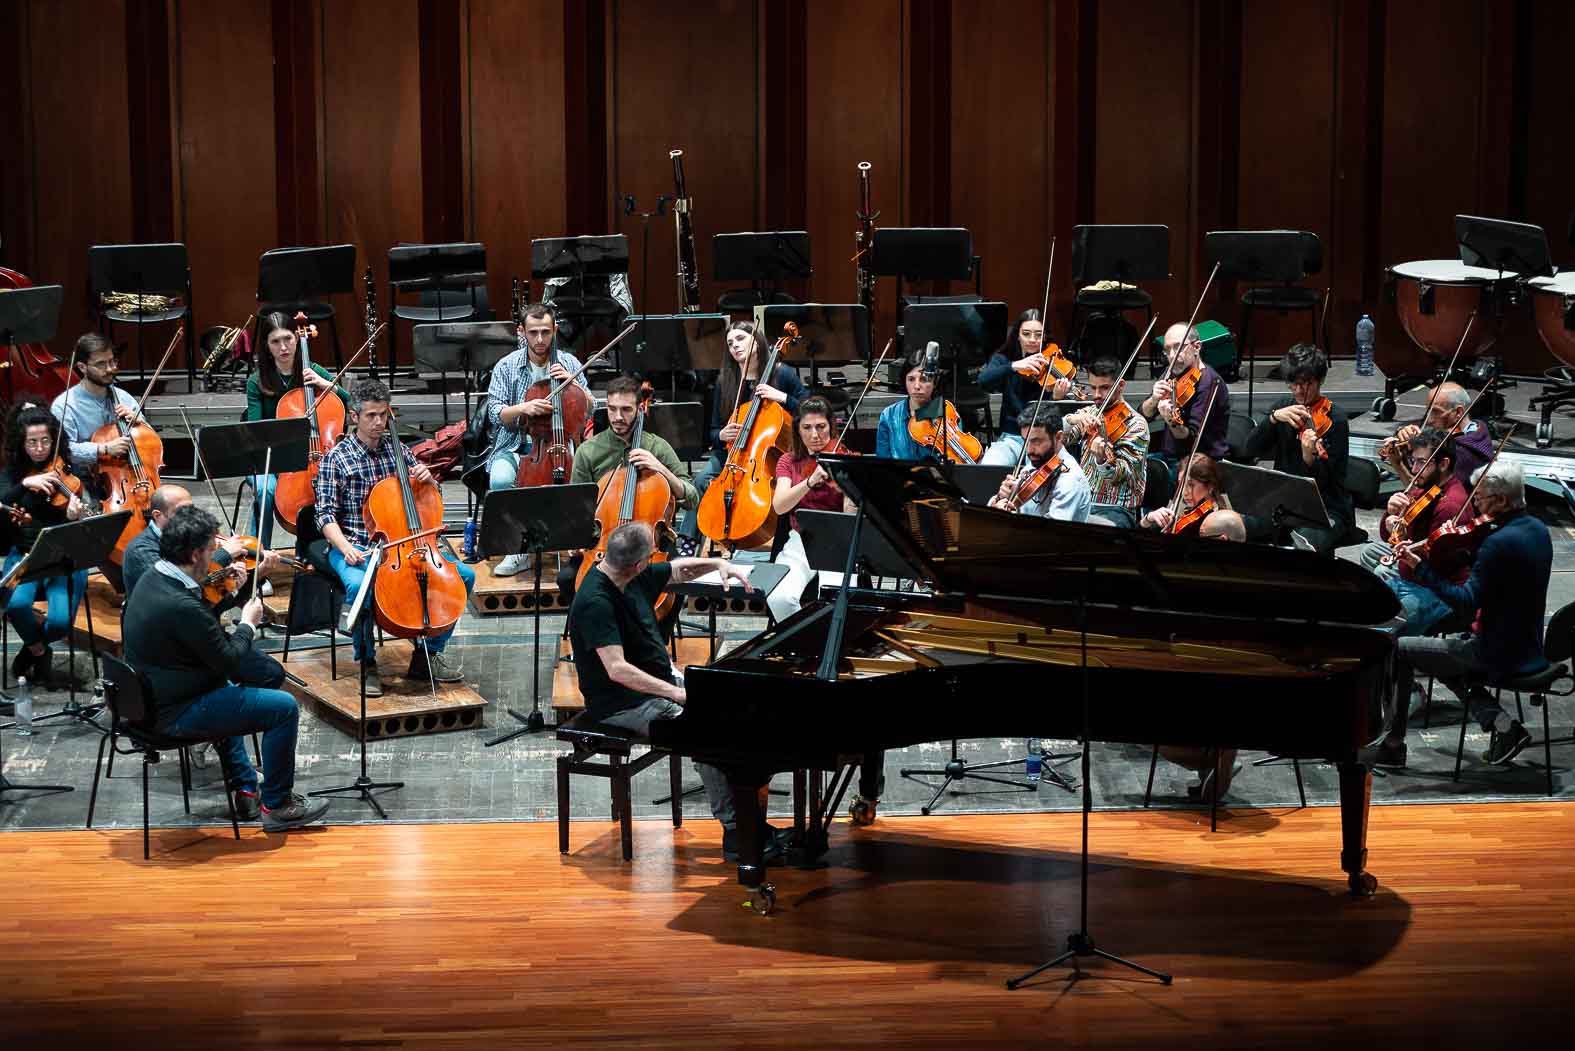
{"x":1364,"y":346}
{"x":470,"y":540}
{"x":24,"y":707}
{"x":1035,"y":761}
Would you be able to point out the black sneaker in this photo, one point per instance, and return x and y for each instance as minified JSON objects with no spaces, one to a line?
{"x":1506,"y":745}
{"x":247,"y":806}
{"x":297,"y":813}
{"x":1384,"y":755}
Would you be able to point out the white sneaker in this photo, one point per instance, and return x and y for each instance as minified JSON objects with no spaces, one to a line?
{"x":511,"y":565}
{"x":267,"y":588}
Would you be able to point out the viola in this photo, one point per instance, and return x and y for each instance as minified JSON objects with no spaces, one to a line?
{"x":1182,"y":390}
{"x":1192,"y":522}
{"x":554,"y":437}
{"x":1043,"y":475}
{"x":416,"y":591}
{"x":736,"y":508}
{"x":325,"y":414}
{"x":961,"y":447}
{"x":627,"y":494}
{"x":30,"y":370}
{"x":1113,"y":422}
{"x":129,"y":480}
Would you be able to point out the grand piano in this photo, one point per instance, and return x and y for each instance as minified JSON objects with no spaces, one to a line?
{"x":1176,"y":641}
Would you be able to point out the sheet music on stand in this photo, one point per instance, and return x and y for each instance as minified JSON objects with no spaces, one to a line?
{"x":363,"y":594}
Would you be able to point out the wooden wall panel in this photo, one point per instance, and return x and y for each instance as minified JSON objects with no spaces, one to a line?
{"x":1143,"y":117}
{"x":1550,"y":160}
{"x":516,"y":184}
{"x":1000,"y":171}
{"x":77,"y":70}
{"x":228,"y":211}
{"x":372,"y":134}
{"x":684,"y":78}
{"x":16,"y":130}
{"x":854,"y":112}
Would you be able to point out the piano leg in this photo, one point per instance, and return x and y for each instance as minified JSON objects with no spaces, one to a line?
{"x":1356,"y":790}
{"x":749,"y":812}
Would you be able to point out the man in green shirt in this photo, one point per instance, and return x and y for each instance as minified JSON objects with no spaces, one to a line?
{"x":605,"y":451}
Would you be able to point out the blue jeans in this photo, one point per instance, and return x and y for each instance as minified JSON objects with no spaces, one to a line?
{"x":1423,"y":608}
{"x":231,"y":712}
{"x":502,"y":470}
{"x":62,"y":606}
{"x":263,"y":531}
{"x":351,"y":577}
{"x":689,"y":521}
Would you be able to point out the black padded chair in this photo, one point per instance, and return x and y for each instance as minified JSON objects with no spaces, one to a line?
{"x":1159,"y":483}
{"x":316,"y":601}
{"x":1239,"y":428}
{"x":591,"y":740}
{"x":132,"y":713}
{"x":143,"y":269}
{"x":436,"y":272}
{"x":300,"y":280}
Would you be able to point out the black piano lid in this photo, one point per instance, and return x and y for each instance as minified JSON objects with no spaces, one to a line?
{"x":982,"y":552}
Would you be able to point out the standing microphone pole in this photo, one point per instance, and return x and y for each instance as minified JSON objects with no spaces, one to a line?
{"x":626,"y":201}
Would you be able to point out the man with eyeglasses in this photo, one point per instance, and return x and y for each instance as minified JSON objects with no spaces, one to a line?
{"x":1174,"y":440}
{"x":86,"y":407}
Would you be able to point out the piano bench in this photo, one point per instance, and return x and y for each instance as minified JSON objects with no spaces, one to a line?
{"x":592,"y":741}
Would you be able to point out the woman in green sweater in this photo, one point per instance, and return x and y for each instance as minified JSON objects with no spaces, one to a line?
{"x":279,"y":369}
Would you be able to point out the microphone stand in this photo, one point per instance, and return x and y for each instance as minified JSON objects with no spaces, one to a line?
{"x":630,"y":208}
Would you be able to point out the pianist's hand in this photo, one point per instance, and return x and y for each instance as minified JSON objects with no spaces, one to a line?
{"x":729,"y":573}
{"x":677,"y":695}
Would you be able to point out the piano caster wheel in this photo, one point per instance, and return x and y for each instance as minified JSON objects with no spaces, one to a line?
{"x":1544,"y":435}
{"x":1363,"y":885}
{"x":763,"y":901}
{"x":1384,"y":408}
{"x":862,"y":815}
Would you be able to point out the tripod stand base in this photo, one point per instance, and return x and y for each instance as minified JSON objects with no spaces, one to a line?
{"x":7,"y":785}
{"x":87,"y":715}
{"x":534,"y":723}
{"x":1080,"y":945}
{"x":364,"y":787}
{"x":959,"y":770}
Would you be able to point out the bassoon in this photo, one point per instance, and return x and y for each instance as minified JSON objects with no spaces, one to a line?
{"x":688,"y":273}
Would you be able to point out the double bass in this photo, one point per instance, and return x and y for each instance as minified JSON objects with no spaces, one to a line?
{"x":736,"y":507}
{"x":416,"y":592}
{"x":325,"y":412}
{"x":626,"y":494}
{"x":29,"y":369}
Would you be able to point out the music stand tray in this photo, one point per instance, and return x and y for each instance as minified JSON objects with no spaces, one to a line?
{"x":536,"y":520}
{"x":579,"y":256}
{"x":1125,"y":253}
{"x":978,"y":481}
{"x":922,"y":253}
{"x":239,"y":450}
{"x":1284,"y":499}
{"x":829,"y":333}
{"x":967,"y":332}
{"x":671,"y":343}
{"x":30,"y":315}
{"x":1498,"y":244}
{"x":61,"y":551}
{"x":764,"y":257}
{"x":1262,"y":256}
{"x":295,"y":276}
{"x":828,"y":535}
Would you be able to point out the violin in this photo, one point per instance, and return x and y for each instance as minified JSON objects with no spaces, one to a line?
{"x":736,"y":507}
{"x":1192,"y":522}
{"x":961,"y":447}
{"x":626,"y":494}
{"x":1055,"y":366}
{"x":70,"y":485}
{"x":16,"y":514}
{"x":1183,"y":388}
{"x":1113,"y":422}
{"x":416,"y":591}
{"x":325,"y":412}
{"x":130,"y":479}
{"x":1030,"y":487}
{"x":555,"y":437}
{"x":29,"y":369}
{"x":1402,"y":529}
{"x":223,"y":585}
{"x":1322,"y":419}
{"x":1454,"y":540}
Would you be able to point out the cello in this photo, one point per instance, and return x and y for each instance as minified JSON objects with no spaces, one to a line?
{"x":130,"y":481}
{"x":626,"y":494}
{"x":416,"y":592}
{"x":30,"y":368}
{"x":736,"y":508}
{"x":325,"y":413}
{"x":554,"y":437}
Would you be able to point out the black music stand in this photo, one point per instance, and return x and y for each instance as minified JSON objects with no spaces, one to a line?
{"x":1498,"y":244}
{"x":1262,"y":257}
{"x":764,"y":259}
{"x":1125,"y":253}
{"x":979,"y":482}
{"x":829,"y":333}
{"x":966,"y":335}
{"x":922,"y":253}
{"x":533,"y":521}
{"x":238,"y":450}
{"x":62,"y":550}
{"x":468,"y":348}
{"x":292,"y":280}
{"x":577,"y":258}
{"x":30,"y":315}
{"x":1286,"y":500}
{"x":435,"y":268}
{"x":673,"y":343}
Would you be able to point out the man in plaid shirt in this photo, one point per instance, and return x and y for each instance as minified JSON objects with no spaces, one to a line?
{"x":345,"y":477}
{"x":509,"y":413}
{"x":1116,"y":465}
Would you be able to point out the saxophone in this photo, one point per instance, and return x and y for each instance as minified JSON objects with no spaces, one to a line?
{"x":688,"y":273}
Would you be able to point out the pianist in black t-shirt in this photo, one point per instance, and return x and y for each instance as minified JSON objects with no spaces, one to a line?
{"x":624,"y":671}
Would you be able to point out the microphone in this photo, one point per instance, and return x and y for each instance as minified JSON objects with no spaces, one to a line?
{"x":932,"y":354}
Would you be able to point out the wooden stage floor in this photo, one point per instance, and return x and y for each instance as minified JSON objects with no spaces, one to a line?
{"x":482,"y":935}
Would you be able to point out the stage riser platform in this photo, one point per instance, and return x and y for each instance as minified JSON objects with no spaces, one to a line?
{"x":406,"y":709}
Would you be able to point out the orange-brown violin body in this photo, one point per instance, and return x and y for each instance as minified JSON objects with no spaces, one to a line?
{"x":129,"y":480}
{"x":1190,"y":523}
{"x":961,"y":447}
{"x":325,"y":410}
{"x":1045,"y":474}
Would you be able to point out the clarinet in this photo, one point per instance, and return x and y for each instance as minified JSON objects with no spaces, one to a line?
{"x":864,"y":240}
{"x":688,"y":273}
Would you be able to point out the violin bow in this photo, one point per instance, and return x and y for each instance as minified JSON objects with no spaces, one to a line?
{"x":158,"y":371}
{"x":1450,"y":370}
{"x":261,"y":518}
{"x":1456,"y":429}
{"x":60,"y":431}
{"x":203,"y":463}
{"x":1186,"y":472}
{"x":591,"y":360}
{"x":1193,"y":320}
{"x":346,"y":366}
{"x":1478,"y":483}
{"x":869,"y":383}
{"x":1044,"y":313}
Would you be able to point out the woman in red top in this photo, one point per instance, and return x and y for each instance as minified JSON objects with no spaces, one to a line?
{"x":802,"y":484}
